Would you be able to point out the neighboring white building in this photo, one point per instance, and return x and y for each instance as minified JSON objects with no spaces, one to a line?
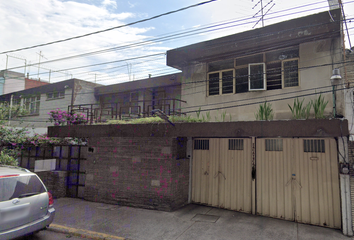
{"x":11,"y":81}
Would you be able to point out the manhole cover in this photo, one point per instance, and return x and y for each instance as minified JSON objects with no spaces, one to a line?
{"x":205,"y":218}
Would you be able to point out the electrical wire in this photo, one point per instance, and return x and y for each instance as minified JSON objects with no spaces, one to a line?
{"x":110,"y":29}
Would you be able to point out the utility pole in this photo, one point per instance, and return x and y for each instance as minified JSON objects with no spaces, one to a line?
{"x":262,"y":11}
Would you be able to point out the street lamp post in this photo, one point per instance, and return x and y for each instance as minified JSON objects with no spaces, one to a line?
{"x":335,"y":80}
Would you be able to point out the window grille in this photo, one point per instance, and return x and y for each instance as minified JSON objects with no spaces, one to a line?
{"x":274,"y":144}
{"x":201,"y":144}
{"x":314,"y":145}
{"x":235,"y":144}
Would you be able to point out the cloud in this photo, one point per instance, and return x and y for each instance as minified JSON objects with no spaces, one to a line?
{"x":109,"y":3}
{"x":131,"y":5}
{"x":28,"y":23}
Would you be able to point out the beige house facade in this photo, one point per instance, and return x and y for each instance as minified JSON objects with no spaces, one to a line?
{"x":234,"y":74}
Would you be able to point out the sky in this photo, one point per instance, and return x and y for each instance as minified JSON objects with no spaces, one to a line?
{"x":132,"y":52}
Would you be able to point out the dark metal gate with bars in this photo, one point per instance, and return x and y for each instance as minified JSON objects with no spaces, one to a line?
{"x":68,"y":158}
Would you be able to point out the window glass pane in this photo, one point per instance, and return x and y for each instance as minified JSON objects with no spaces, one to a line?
{"x":274,"y":75}
{"x":256,"y":76}
{"x":214,"y":84}
{"x":282,"y":54}
{"x":49,"y":95}
{"x":56,"y":95}
{"x":291,"y":73}
{"x":249,"y":59}
{"x":227,"y":82}
{"x":61,"y":93}
{"x":14,"y":187}
{"x":221,"y":65}
{"x":241,"y":80}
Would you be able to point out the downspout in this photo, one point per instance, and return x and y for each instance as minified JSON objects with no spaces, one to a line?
{"x":190,"y":156}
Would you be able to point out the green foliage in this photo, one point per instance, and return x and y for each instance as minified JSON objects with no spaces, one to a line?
{"x":319,"y":106}
{"x":148,"y":120}
{"x":223,"y":116}
{"x":208,"y":117}
{"x":16,"y":112}
{"x":299,"y":111}
{"x":198,"y":112}
{"x":6,"y":159}
{"x":264,"y":112}
{"x":230,"y":117}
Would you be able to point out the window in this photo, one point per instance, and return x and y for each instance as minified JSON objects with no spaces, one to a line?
{"x":256,"y":76}
{"x":31,"y":104}
{"x":314,"y":146}
{"x":274,"y":144}
{"x":221,"y":82}
{"x":266,"y":71}
{"x":56,"y":95}
{"x":201,"y":144}
{"x":290,"y":73}
{"x":235,"y":144}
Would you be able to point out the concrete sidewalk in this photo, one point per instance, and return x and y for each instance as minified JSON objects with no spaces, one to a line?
{"x":104,"y":221}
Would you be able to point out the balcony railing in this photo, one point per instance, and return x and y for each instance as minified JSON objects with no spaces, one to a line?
{"x":136,"y":109}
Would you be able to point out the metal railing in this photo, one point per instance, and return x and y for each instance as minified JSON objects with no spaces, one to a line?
{"x":127,"y":110}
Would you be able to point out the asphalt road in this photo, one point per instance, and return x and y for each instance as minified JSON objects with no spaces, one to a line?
{"x":49,"y":235}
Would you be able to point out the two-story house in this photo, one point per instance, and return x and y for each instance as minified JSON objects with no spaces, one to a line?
{"x":276,"y":63}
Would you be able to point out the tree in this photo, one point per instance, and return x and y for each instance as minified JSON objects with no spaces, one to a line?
{"x":16,"y":112}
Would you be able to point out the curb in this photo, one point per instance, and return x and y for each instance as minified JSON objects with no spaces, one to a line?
{"x":82,"y":233}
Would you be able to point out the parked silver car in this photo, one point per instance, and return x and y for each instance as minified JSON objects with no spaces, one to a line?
{"x":25,"y":204}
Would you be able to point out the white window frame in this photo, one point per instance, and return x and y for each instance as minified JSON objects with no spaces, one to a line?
{"x":220,"y":82}
{"x":264,"y":77}
{"x":283,"y":71}
{"x":28,"y":102}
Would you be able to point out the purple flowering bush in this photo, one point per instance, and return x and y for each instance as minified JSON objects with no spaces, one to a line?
{"x":59,"y":117}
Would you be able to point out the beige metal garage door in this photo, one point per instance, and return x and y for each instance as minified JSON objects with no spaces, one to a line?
{"x":222,"y":173}
{"x":298,"y":179}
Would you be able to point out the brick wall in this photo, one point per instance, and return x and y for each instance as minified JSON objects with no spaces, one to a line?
{"x":140,"y":172}
{"x":55,"y":181}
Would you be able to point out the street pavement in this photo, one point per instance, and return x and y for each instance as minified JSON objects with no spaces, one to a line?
{"x":103,"y":221}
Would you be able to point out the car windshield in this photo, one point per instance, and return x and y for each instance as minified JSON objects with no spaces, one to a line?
{"x":19,"y":187}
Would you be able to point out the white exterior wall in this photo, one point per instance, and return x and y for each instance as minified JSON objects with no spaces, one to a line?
{"x":42,"y":120}
{"x":311,"y":54}
{"x":13,"y":82}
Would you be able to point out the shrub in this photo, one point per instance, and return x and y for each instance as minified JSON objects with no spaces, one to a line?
{"x":264,"y":112}
{"x":60,"y":117}
{"x":6,"y":159}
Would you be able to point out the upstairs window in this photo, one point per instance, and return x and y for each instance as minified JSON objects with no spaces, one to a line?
{"x":56,"y":95}
{"x":265,"y":71}
{"x":31,"y":104}
{"x":256,"y":76}
{"x":221,"y":82}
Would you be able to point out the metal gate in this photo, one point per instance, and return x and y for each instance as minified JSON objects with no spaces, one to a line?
{"x":222,"y":173}
{"x":298,"y":179}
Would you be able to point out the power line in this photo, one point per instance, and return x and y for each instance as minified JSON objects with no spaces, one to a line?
{"x":170,"y":36}
{"x":110,"y":29}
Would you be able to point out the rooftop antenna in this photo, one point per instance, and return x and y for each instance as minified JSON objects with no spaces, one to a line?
{"x":39,"y":62}
{"x":266,"y":8}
